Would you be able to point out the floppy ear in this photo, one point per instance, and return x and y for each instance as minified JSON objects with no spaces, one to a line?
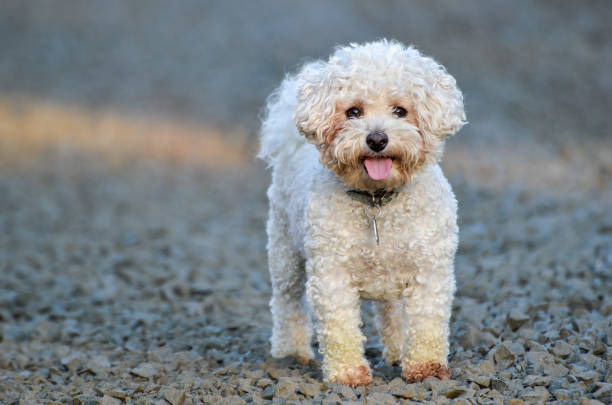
{"x":316,"y":104}
{"x":439,"y":104}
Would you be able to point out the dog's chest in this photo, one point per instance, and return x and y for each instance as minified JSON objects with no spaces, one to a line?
{"x":382,"y":269}
{"x":343,"y":231}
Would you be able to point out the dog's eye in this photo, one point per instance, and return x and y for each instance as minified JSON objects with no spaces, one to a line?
{"x":354,"y":112}
{"x":399,"y":112}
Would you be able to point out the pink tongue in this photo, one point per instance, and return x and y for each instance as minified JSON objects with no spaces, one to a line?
{"x":378,"y":169}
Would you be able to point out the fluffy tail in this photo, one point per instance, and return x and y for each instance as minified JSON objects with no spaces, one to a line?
{"x":279,"y":135}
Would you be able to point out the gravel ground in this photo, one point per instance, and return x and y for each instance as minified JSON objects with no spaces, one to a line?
{"x":132,"y":212}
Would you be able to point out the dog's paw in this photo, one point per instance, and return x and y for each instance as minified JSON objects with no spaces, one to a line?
{"x":303,"y":358}
{"x":420,"y":372}
{"x":302,"y":355}
{"x":355,"y":376}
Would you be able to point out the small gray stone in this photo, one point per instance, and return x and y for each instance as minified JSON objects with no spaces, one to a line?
{"x":245,"y":385}
{"x":145,"y":370}
{"x":397,"y":384}
{"x":232,"y":400}
{"x":503,"y":357}
{"x":285,"y":388}
{"x":309,"y":390}
{"x":537,"y":380}
{"x":80,"y":400}
{"x":268,"y":392}
{"x":108,"y":400}
{"x":470,"y":336}
{"x":533,"y":395}
{"x":587,"y":401}
{"x":346,"y":392}
{"x":73,"y":361}
{"x":172,"y":395}
{"x":588,"y":376}
{"x":562,"y":349}
{"x":331,"y":399}
{"x":381,"y":398}
{"x":415,"y":392}
{"x":604,"y":393}
{"x":119,"y":394}
{"x":277,"y":373}
{"x":481,"y":380}
{"x":436,"y":385}
{"x":548,"y":365}
{"x":453,"y":392}
{"x":498,"y":385}
{"x":486,"y":367}
{"x":98,"y":364}
{"x":264,"y":382}
{"x":562,"y":394}
{"x":516,"y":319}
{"x":516,"y":349}
{"x":599,"y":348}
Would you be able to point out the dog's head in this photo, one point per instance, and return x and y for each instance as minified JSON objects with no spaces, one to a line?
{"x":377,"y":112}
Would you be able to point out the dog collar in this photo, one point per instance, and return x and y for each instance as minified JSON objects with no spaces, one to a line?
{"x":379,"y":198}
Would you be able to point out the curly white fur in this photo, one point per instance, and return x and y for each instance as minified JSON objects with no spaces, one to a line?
{"x":321,"y":242}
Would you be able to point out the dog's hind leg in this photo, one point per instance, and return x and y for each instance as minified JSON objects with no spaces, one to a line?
{"x":291,"y":331}
{"x":390,"y":320}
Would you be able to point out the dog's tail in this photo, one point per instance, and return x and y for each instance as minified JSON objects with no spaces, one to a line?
{"x":279,"y":136}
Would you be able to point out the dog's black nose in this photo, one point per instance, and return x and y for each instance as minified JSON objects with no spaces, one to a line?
{"x":377,"y":141}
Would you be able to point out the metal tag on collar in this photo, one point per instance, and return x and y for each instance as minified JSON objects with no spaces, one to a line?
{"x":373,"y":217}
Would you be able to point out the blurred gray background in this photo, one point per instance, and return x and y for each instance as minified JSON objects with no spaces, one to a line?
{"x":533,"y":68}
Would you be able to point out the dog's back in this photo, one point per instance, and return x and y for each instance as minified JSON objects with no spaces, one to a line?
{"x":279,"y":135}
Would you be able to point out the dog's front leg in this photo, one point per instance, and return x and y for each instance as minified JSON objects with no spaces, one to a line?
{"x":428,"y":309}
{"x":335,"y":303}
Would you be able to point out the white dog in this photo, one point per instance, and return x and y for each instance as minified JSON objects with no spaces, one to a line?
{"x":360,"y":208}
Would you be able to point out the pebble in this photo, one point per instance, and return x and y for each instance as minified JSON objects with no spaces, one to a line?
{"x":551,"y":367}
{"x":481,"y":380}
{"x":453,"y":392}
{"x":486,"y":367}
{"x":588,"y":376}
{"x":73,"y":361}
{"x":415,"y":392}
{"x":535,"y":380}
{"x":98,"y":364}
{"x":536,"y":394}
{"x":108,"y":400}
{"x":268,"y":392}
{"x":562,"y":394}
{"x":145,"y":370}
{"x":381,"y":398}
{"x":516,"y":319}
{"x":232,"y":400}
{"x":499,"y":385}
{"x":562,"y":349}
{"x":503,"y":357}
{"x":604,"y":392}
{"x":285,"y":388}
{"x":264,"y":382}
{"x":309,"y":390}
{"x":345,"y":392}
{"x":172,"y":395}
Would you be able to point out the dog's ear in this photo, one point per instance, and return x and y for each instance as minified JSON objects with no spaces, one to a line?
{"x":316,"y":104}
{"x":439,"y":103}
